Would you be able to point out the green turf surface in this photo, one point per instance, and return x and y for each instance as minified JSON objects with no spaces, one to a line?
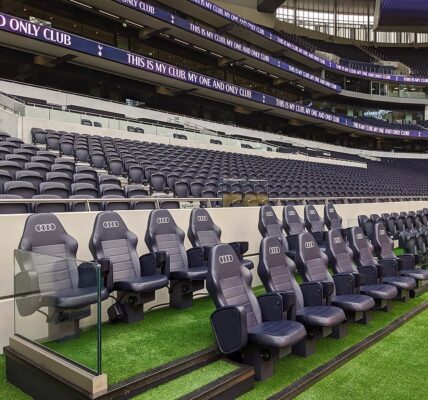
{"x":381,"y":372}
{"x":398,"y":251}
{"x":190,"y":382}
{"x":291,"y":368}
{"x":8,"y":391}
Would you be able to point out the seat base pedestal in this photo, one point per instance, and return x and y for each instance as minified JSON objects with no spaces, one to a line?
{"x":339,"y":331}
{"x":403,"y":295}
{"x":64,"y":325}
{"x":362,"y":317}
{"x":383,"y":305}
{"x":260,"y":359}
{"x":306,"y":347}
{"x":132,"y":305}
{"x":181,"y":293}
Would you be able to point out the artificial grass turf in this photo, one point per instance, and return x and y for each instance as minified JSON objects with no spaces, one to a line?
{"x":7,"y":390}
{"x":382,"y":372}
{"x":291,"y":368}
{"x":190,"y":382}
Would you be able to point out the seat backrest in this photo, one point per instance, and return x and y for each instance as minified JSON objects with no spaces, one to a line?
{"x":55,"y":188}
{"x":12,"y":208}
{"x":310,"y":260}
{"x":270,"y":225}
{"x":340,"y":255}
{"x":331,"y":218}
{"x":361,"y":247}
{"x":203,"y":232}
{"x":313,"y":221}
{"x":229,"y":283}
{"x":361,"y":220}
{"x":44,"y":234}
{"x":383,"y":244}
{"x":20,"y":188}
{"x":277,"y":271}
{"x":112,"y":239}
{"x":163,"y":234}
{"x":292,"y":222}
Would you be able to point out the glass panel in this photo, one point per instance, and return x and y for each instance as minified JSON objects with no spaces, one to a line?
{"x":55,"y":297}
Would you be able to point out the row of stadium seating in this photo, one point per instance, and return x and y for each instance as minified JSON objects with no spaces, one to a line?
{"x":289,"y":318}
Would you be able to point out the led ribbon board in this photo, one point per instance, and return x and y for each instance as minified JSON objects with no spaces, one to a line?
{"x":213,"y":36}
{"x":70,"y":41}
{"x":267,"y":34}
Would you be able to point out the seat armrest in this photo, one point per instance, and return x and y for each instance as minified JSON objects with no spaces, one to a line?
{"x":207,"y":251}
{"x":358,"y":279}
{"x":27,"y":292}
{"x":107,"y":273}
{"x":148,"y":264}
{"x":229,"y":324}
{"x":243,"y":247}
{"x":88,"y":275}
{"x":162,"y":262}
{"x":327,"y":289}
{"x":292,"y":242}
{"x":345,"y":283}
{"x":195,"y":256}
{"x":288,"y":303}
{"x":271,"y":305}
{"x":236,"y":248}
{"x":387,"y":268}
{"x":312,"y":293}
{"x":370,"y":274}
{"x":407,"y":261}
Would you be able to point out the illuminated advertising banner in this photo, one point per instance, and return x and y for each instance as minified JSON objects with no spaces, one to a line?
{"x":268,"y":34}
{"x":70,"y":41}
{"x":213,"y":36}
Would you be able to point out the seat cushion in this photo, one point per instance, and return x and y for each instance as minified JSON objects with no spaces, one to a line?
{"x":195,"y":274}
{"x":248,"y":263}
{"x":323,"y":316}
{"x":141,"y":284}
{"x":418,"y":274}
{"x":73,"y":298}
{"x":380,"y":291}
{"x":353,"y":302}
{"x":400,"y":282}
{"x":277,"y":333}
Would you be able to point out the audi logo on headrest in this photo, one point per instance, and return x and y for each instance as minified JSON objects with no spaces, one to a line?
{"x":381,"y":231}
{"x":337,"y":240}
{"x":292,"y":212}
{"x":45,"y":227}
{"x":359,"y":236}
{"x":269,"y":214}
{"x":309,"y":245}
{"x":332,"y":210}
{"x":225,"y":259}
{"x":311,"y":212}
{"x":202,"y":218}
{"x":274,"y":250}
{"x":162,"y":220}
{"x":110,"y":224}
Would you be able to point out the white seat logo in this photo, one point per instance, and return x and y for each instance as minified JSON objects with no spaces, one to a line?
{"x":312,"y":212}
{"x":162,"y":220}
{"x":110,"y":224}
{"x":292,"y":212}
{"x":309,"y":245}
{"x":332,"y":210}
{"x":225,"y":259}
{"x":337,"y":240}
{"x":202,"y":218}
{"x":381,"y":231}
{"x":274,"y":250}
{"x":45,"y":227}
{"x":359,"y":236}
{"x":269,"y":214}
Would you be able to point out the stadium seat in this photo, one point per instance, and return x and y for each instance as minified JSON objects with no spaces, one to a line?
{"x":339,"y":289}
{"x":134,"y":278}
{"x":48,"y":268}
{"x":293,"y":225}
{"x":277,"y":273}
{"x":366,"y":277}
{"x":185,"y":269}
{"x":253,"y":328}
{"x":12,"y":208}
{"x":204,"y":233}
{"x":315,"y":225}
{"x":51,"y":207}
{"x":387,"y":271}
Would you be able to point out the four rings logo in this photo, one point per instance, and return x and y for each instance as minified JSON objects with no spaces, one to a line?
{"x":337,"y":240}
{"x":309,"y":245}
{"x":381,"y":231}
{"x":269,"y":214}
{"x":202,"y":218}
{"x":162,"y":220}
{"x":274,"y":250}
{"x":332,"y":210}
{"x":359,"y":236}
{"x":292,"y":212}
{"x":312,"y":212}
{"x":110,"y":224}
{"x":45,"y":227}
{"x":227,"y":258}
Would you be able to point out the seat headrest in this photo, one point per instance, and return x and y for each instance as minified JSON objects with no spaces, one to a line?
{"x":272,"y":251}
{"x":224,"y":262}
{"x":336,"y":243}
{"x":268,"y":216}
{"x":290,"y":214}
{"x":42,"y":229}
{"x":312,"y":213}
{"x":358,"y":238}
{"x":381,"y":233}
{"x":161,"y":222}
{"x":201,"y":219}
{"x":109,"y":225}
{"x":307,"y":246}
